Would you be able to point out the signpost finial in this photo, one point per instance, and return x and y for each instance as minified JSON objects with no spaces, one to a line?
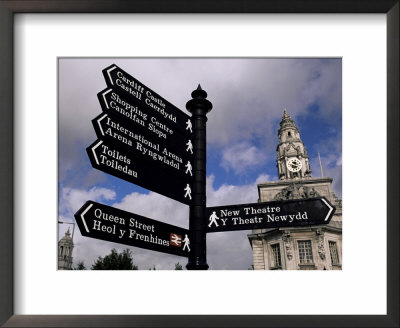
{"x":199,"y":101}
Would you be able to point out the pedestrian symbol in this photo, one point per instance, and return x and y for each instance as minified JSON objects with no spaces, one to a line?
{"x":189,"y":125}
{"x":213,"y":219}
{"x":189,"y":168}
{"x":189,"y":146}
{"x":186,"y":242}
{"x":188,"y":192}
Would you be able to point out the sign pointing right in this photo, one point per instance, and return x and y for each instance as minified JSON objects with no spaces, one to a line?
{"x":290,"y":213}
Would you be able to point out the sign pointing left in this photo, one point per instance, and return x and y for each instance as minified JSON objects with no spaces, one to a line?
{"x":108,"y":158}
{"x":146,"y":99}
{"x":143,"y":147}
{"x":104,"y":222}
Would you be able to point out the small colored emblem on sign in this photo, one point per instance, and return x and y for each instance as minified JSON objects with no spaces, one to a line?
{"x":175,"y":240}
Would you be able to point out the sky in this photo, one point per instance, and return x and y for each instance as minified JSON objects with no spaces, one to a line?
{"x":248,"y":95}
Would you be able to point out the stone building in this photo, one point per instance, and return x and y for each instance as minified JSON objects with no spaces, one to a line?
{"x":316,"y":247}
{"x":65,"y":248}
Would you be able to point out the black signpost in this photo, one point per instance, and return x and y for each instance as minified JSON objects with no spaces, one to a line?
{"x":289,"y":213}
{"x":199,"y":106}
{"x":145,"y":140}
{"x":111,"y":224}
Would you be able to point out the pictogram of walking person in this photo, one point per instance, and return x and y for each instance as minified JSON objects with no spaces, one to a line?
{"x":189,"y":168}
{"x":189,"y":146}
{"x":186,"y":243}
{"x":188,"y":192}
{"x":189,"y":125}
{"x":213,"y":219}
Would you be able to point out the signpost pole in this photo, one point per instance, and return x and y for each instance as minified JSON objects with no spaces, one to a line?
{"x":199,"y":106}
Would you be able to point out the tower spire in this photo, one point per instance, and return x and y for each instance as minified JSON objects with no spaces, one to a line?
{"x":292,"y":157}
{"x":65,"y":248}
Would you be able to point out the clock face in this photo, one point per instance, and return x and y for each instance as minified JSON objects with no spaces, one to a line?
{"x":294,"y":165}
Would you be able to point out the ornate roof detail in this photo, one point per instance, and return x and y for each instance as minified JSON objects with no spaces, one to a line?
{"x":292,"y":149}
{"x":287,"y":121}
{"x":296,"y":191}
{"x":67,"y":237}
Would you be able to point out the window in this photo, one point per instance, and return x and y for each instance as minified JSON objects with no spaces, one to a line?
{"x":305,"y":252}
{"x":276,"y":256}
{"x":61,"y":250}
{"x":334,"y":253}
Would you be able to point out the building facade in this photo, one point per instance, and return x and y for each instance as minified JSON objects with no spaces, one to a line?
{"x":65,"y":248}
{"x":316,"y":247}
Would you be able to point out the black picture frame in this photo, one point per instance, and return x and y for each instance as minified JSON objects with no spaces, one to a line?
{"x":10,"y":7}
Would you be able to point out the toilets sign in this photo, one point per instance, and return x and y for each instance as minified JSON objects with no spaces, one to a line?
{"x":290,"y":213}
{"x":121,"y":163}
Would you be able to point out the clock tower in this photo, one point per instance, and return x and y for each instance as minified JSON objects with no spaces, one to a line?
{"x":292,"y":159}
{"x":316,"y":247}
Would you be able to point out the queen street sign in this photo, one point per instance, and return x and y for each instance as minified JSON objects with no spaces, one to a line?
{"x":107,"y":223}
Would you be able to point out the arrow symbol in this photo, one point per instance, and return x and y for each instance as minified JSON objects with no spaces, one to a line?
{"x":98,"y":121}
{"x":83,"y":219}
{"x":94,"y":153}
{"x":104,"y":97}
{"x":109,"y":75}
{"x":330,"y":209}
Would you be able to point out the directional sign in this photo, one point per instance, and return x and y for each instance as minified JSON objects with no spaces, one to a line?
{"x":142,"y":147}
{"x":266,"y":215}
{"x":151,"y":125}
{"x":113,"y":160}
{"x":147,"y":100}
{"x":108,"y":223}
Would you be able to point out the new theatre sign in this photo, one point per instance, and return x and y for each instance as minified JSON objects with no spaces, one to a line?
{"x":290,"y":213}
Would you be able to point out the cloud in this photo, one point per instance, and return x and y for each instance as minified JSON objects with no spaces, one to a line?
{"x":230,"y":194}
{"x":71,"y":200}
{"x":156,"y":207}
{"x":331,"y":159}
{"x":241,"y":157}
